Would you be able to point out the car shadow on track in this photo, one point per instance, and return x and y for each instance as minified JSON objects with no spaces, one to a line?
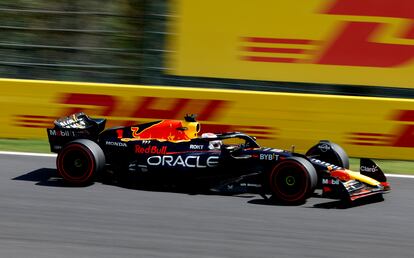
{"x":269,"y":202}
{"x":328,"y":204}
{"x":338,"y":204}
{"x":49,"y":177}
{"x":43,"y":177}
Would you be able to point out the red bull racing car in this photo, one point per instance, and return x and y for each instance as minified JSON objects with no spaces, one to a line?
{"x":173,"y":151}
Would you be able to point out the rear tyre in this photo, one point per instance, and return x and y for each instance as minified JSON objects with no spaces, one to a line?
{"x":329,"y":152}
{"x":80,"y":161}
{"x":293,"y":180}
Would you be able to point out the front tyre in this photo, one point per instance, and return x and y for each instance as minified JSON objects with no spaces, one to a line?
{"x":293,"y":180}
{"x":80,"y":161}
{"x":329,"y":152}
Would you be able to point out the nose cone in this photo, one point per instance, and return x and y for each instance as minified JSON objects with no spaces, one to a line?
{"x":346,"y":175}
{"x":341,"y":175}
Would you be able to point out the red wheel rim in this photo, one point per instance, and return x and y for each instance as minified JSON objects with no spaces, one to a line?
{"x":76,"y":164}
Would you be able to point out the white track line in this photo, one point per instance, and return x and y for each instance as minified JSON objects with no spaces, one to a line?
{"x":399,"y":176}
{"x":15,"y":153}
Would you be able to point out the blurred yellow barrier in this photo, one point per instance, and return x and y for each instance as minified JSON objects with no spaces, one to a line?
{"x":364,"y":126}
{"x":355,"y":42}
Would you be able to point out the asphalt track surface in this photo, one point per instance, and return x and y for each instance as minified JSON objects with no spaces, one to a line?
{"x":40,"y":217}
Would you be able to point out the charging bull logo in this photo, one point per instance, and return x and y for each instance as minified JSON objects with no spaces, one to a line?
{"x":358,"y":43}
{"x":171,"y":130}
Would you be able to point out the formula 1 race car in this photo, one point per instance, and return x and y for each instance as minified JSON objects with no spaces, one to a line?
{"x":233,"y":162}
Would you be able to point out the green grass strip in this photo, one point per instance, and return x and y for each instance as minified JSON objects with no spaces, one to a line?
{"x":40,"y":146}
{"x":388,"y":166}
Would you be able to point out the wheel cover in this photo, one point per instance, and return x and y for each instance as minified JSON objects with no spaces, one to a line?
{"x":290,"y":181}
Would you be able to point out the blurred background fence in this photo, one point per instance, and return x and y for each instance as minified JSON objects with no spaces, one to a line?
{"x":121,"y":41}
{"x":95,"y":40}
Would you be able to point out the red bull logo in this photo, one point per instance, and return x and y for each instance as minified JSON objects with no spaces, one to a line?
{"x":150,"y":149}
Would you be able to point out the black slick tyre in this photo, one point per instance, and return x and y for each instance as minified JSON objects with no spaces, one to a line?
{"x":80,"y":161}
{"x":329,"y":152}
{"x":292,"y":181}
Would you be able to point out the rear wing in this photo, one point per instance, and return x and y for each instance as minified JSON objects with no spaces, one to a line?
{"x":75,"y":126}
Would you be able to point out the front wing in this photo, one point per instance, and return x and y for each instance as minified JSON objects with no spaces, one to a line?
{"x":351,"y":190}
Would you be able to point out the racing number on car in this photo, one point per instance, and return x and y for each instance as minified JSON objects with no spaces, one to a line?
{"x":135,"y":130}
{"x":120,"y":133}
